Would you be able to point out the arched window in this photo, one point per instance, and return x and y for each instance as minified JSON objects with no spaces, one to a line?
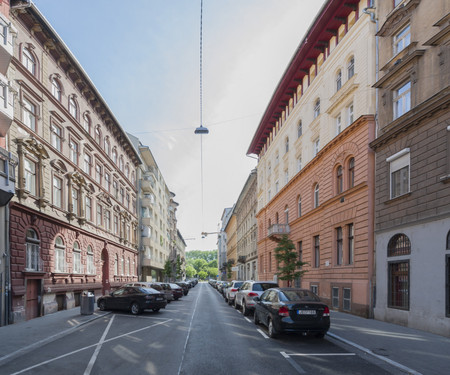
{"x":299,"y":206}
{"x":316,"y":195}
{"x":98,"y":135}
{"x":60,"y":255}
{"x":399,"y":245}
{"x":286,"y":144}
{"x":276,"y":218}
{"x":338,"y":80}
{"x":339,"y":180}
{"x":107,"y":146}
{"x":114,"y":156}
{"x":317,"y":108}
{"x":90,"y":261}
{"x":299,"y":129}
{"x":87,"y":123}
{"x":122,"y":271}
{"x":127,"y":171}
{"x":133,"y":178}
{"x":29,"y":61}
{"x":73,"y":109}
{"x":286,"y":214}
{"x":121,"y":163}
{"x":33,"y":261}
{"x":76,"y":258}
{"x":351,"y":68}
{"x":116,"y":265}
{"x":56,"y":89}
{"x":351,"y":173}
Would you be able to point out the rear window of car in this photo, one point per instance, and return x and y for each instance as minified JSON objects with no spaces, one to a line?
{"x":260,"y":287}
{"x":238,"y":284}
{"x":296,"y":295}
{"x":157,"y":287}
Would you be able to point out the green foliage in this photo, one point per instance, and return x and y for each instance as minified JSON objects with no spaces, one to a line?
{"x":212,"y":272}
{"x":179,"y":267}
{"x":199,"y":264}
{"x":198,"y":254}
{"x":190,"y":271}
{"x":288,"y":262}
{"x":203,"y":275}
{"x":168,"y":268}
{"x":213,"y":263}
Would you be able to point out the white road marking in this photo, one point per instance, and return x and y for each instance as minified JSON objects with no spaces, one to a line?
{"x":262,"y":333}
{"x":318,"y":354}
{"x":293,"y":363}
{"x":247,"y":319}
{"x":97,"y":349}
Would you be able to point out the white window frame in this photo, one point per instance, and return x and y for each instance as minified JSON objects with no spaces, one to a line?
{"x":402,"y":39}
{"x":338,"y":124}
{"x":57,"y":191}
{"x":60,"y":256}
{"x":316,"y":146}
{"x":30,"y":174}
{"x":76,"y":251}
{"x":399,"y":166}
{"x":29,"y":113}
{"x":402,"y":100}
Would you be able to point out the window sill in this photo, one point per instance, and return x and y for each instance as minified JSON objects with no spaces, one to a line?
{"x":393,"y":200}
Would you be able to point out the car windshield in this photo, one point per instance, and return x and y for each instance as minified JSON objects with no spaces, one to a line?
{"x":237,"y":285}
{"x":296,"y":295}
{"x":260,"y":287}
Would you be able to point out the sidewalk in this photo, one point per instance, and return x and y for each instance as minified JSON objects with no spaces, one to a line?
{"x":412,"y":351}
{"x":417,"y":351}
{"x":17,"y":339}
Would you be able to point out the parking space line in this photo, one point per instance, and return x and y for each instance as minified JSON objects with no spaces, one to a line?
{"x":318,"y":354}
{"x":247,"y":319}
{"x":262,"y":333}
{"x":293,"y":363}
{"x":141,"y":317}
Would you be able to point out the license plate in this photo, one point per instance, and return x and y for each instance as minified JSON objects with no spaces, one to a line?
{"x":159,"y":299}
{"x":306,"y":312}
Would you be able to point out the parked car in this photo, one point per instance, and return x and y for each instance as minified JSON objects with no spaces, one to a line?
{"x":292,"y":310}
{"x":154,"y":285}
{"x":177,"y":291}
{"x":220,"y":285}
{"x":230,"y":291}
{"x":166,"y":289}
{"x":185,"y":286}
{"x":133,"y":298}
{"x":249,"y":290}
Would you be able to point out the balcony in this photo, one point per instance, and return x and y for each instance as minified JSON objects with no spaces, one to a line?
{"x":277,"y":230}
{"x":147,"y":202}
{"x":146,"y":241}
{"x":148,"y":262}
{"x":6,"y":43}
{"x":241,"y":258}
{"x":8,"y":163}
{"x":6,"y":106}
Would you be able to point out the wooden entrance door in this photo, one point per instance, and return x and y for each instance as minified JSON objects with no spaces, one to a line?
{"x":32,"y":307}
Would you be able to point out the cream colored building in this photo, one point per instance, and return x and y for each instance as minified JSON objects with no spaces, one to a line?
{"x":231,"y":237}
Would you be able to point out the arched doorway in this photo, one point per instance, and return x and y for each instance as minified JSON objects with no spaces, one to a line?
{"x":105,"y":272}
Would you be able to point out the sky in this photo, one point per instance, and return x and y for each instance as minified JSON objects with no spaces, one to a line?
{"x":143,"y":56}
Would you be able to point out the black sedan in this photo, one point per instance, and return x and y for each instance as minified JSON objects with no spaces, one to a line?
{"x":292,"y":310}
{"x":133,"y":298}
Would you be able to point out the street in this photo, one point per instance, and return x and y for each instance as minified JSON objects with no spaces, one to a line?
{"x":199,"y":334}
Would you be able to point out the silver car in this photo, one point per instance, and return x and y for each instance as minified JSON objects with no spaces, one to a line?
{"x":248,"y":291}
{"x":230,"y":292}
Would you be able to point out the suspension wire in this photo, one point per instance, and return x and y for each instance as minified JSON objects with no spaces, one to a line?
{"x":201,"y":109}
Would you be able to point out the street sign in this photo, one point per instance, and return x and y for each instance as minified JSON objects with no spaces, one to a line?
{"x":235,"y":268}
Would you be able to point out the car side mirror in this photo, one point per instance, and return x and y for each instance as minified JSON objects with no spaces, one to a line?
{"x":257,"y":299}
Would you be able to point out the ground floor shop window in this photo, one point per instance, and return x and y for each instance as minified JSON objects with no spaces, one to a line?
{"x":347,"y":300}
{"x":398,"y":293}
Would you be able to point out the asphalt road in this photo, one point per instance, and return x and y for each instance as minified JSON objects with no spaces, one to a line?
{"x":197,"y":335}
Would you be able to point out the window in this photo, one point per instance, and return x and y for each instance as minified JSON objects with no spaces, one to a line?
{"x":98,"y":174}
{"x":73,"y":146}
{"x":33,"y":261}
{"x":116,"y":265}
{"x":90,"y":261}
{"x":107,"y":146}
{"x":116,"y":224}
{"x":30,"y":176}
{"x":107,"y":182}
{"x":335,"y":298}
{"x":339,"y":248}
{"x":347,"y":300}
{"x":116,"y":189}
{"x":73,"y":109}
{"x":277,"y":187}
{"x":299,"y":129}
{"x":286,"y":214}
{"x":316,"y":252}
{"x":75,"y":202}
{"x":338,"y":80}
{"x":398,"y":288}
{"x":114,"y":156}
{"x":447,"y":283}
{"x":339,"y":180}
{"x":56,"y":137}
{"x":300,"y":250}
{"x":286,"y":145}
{"x":317,"y":108}
{"x":87,"y":123}
{"x":448,"y":240}
{"x":87,"y":164}
{"x":122,"y":268}
{"x":338,"y":124}
{"x":60,"y":255}
{"x":299,"y":206}
{"x":316,"y":195}
{"x":76,"y":258}
{"x":100,"y":215}
{"x":121,"y":163}
{"x":350,"y":114}
{"x":127,"y":171}
{"x":29,"y":114}
{"x":402,"y":39}
{"x":351,"y":243}
{"x":399,"y":172}
{"x":56,"y":89}
{"x":399,"y":245}
{"x":315,"y":289}
{"x":402,"y":100}
{"x":351,"y":68}
{"x":57,"y":192}
{"x":98,"y":135}
{"x":107,"y":220}
{"x":286,"y":176}
{"x":299,"y":164}
{"x":351,"y":173}
{"x":29,"y":61}
{"x":316,"y":146}
{"x":88,"y":202}
{"x":122,"y":195}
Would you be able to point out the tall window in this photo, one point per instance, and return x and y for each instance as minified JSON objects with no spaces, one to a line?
{"x":300,"y":250}
{"x":339,"y":248}
{"x":29,"y":114}
{"x":402,"y":100}
{"x":90,"y":261}
{"x":114,"y":156}
{"x":399,"y":173}
{"x":351,"y":68}
{"x":299,"y":164}
{"x":335,"y":297}
{"x":60,"y":255}
{"x":116,"y":224}
{"x":88,"y":202}
{"x":299,"y":129}
{"x":351,"y":243}
{"x":75,"y":202}
{"x":73,"y":146}
{"x":57,"y":192}
{"x":87,"y":123}
{"x":99,"y":215}
{"x":107,"y":146}
{"x":402,"y":39}
{"x":87,"y":164}
{"x":76,"y":258}
{"x":316,"y":195}
{"x":316,"y":252}
{"x":339,"y":180}
{"x":116,"y":265}
{"x":316,"y":146}
{"x":56,"y":137}
{"x":98,"y":173}
{"x":30,"y":176}
{"x":338,"y":124}
{"x":33,"y":261}
{"x":286,"y":145}
{"x":107,"y":182}
{"x":350,"y":114}
{"x":116,"y":189}
{"x":98,"y":135}
{"x":286,"y":214}
{"x":338,"y":80}
{"x":121,"y":164}
{"x":317,"y":108}
{"x":29,"y":61}
{"x":398,"y":272}
{"x":351,"y":173}
{"x":107,"y":220}
{"x":73,"y":109}
{"x":127,"y":171}
{"x":56,"y":89}
{"x":447,"y":283}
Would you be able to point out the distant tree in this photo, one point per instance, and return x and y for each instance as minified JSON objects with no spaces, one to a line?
{"x":212,"y":272}
{"x":168,"y":269}
{"x":190,"y":271}
{"x":203,"y":275}
{"x":179,"y":267}
{"x":199,"y":254}
{"x":213,"y":263}
{"x":288,"y":263}
{"x":199,"y":264}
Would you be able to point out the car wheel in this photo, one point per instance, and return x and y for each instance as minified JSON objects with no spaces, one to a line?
{"x":245,"y":311}
{"x":226,"y":299}
{"x":272,"y":331}
{"x":320,"y":335}
{"x":135,"y":309}
{"x":156,"y":309}
{"x":255,"y":318}
{"x":102,"y":305}
{"x":230,"y":302}
{"x":236,"y":306}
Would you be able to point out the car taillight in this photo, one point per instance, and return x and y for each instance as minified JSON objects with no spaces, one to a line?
{"x":234,"y":290}
{"x":251,"y":294}
{"x":149,"y":297}
{"x":283,"y":311}
{"x":326,"y":311}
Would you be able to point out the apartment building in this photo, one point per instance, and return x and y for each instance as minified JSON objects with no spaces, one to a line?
{"x":245,"y":211}
{"x":230,"y":229}
{"x":73,"y":221}
{"x":315,"y":166}
{"x":222,"y":262}
{"x":412,"y":197}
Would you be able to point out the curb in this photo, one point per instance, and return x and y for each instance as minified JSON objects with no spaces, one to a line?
{"x":9,"y":357}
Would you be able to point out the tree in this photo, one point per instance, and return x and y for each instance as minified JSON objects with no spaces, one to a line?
{"x":199,"y":264}
{"x":168,"y":268}
{"x":179,"y":268}
{"x":288,"y":262}
{"x":202,"y":275}
{"x":213,"y":263}
{"x":190,"y":271}
{"x":212,"y":272}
